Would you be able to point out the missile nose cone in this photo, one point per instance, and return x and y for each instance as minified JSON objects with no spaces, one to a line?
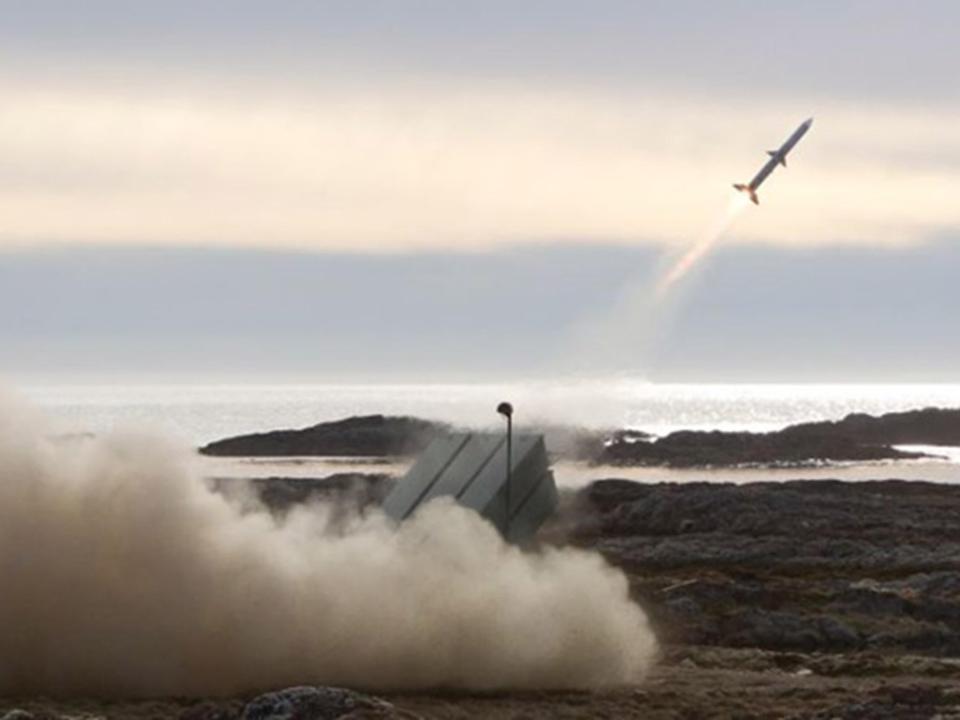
{"x":808,"y":122}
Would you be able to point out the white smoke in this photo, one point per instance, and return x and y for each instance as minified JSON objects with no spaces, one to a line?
{"x":627,"y":336}
{"x":123,"y":575}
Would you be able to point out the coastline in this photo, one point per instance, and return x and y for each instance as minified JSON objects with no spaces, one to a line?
{"x":575,"y":475}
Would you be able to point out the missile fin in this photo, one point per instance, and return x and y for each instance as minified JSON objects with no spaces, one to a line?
{"x":749,"y":190}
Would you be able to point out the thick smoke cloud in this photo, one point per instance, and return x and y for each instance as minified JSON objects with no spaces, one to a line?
{"x":122,"y":574}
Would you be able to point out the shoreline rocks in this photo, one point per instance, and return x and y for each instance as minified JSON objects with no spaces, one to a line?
{"x":929,"y":426}
{"x":856,"y":438}
{"x":687,"y":448}
{"x":365,"y":436}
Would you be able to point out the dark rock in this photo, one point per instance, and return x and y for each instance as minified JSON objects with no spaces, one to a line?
{"x":867,"y":601}
{"x":688,"y":448}
{"x":767,"y":630}
{"x":930,"y":426}
{"x":907,"y":702}
{"x":368,"y":436}
{"x":915,"y":695}
{"x":933,"y":639}
{"x":857,"y":437}
{"x":850,"y":515}
{"x":311,"y":703}
{"x":607,"y":495}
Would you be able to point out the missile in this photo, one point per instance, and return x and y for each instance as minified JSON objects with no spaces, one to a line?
{"x":777,"y":157}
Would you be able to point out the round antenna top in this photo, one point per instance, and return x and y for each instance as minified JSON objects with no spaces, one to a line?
{"x":505,"y":409}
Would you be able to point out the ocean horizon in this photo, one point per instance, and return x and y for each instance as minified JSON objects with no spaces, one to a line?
{"x":200,"y":412}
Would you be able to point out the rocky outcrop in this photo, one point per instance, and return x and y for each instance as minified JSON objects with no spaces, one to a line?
{"x":367,"y":436}
{"x":857,"y":437}
{"x":930,"y":426}
{"x":687,"y":448}
{"x":803,"y":566}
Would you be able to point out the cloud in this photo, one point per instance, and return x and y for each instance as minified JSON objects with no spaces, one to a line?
{"x":401,"y":166}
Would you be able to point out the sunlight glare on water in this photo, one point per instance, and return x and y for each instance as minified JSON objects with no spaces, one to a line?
{"x":199,"y":413}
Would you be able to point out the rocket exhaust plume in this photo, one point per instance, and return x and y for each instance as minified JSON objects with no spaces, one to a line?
{"x":737,"y":204}
{"x":627,"y":336}
{"x":124,"y":575}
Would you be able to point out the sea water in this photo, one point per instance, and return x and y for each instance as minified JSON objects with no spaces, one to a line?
{"x":198,"y":413}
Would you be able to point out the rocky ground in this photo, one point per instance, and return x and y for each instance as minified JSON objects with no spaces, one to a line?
{"x":811,"y":566}
{"x":798,"y":600}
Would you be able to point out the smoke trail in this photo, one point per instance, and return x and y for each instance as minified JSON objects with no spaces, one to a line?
{"x":123,"y":575}
{"x":737,"y":204}
{"x":626,"y":337}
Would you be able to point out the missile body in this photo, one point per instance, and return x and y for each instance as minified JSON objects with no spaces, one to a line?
{"x":778,"y":156}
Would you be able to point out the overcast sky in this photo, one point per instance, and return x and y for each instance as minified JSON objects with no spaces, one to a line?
{"x":375,"y":185}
